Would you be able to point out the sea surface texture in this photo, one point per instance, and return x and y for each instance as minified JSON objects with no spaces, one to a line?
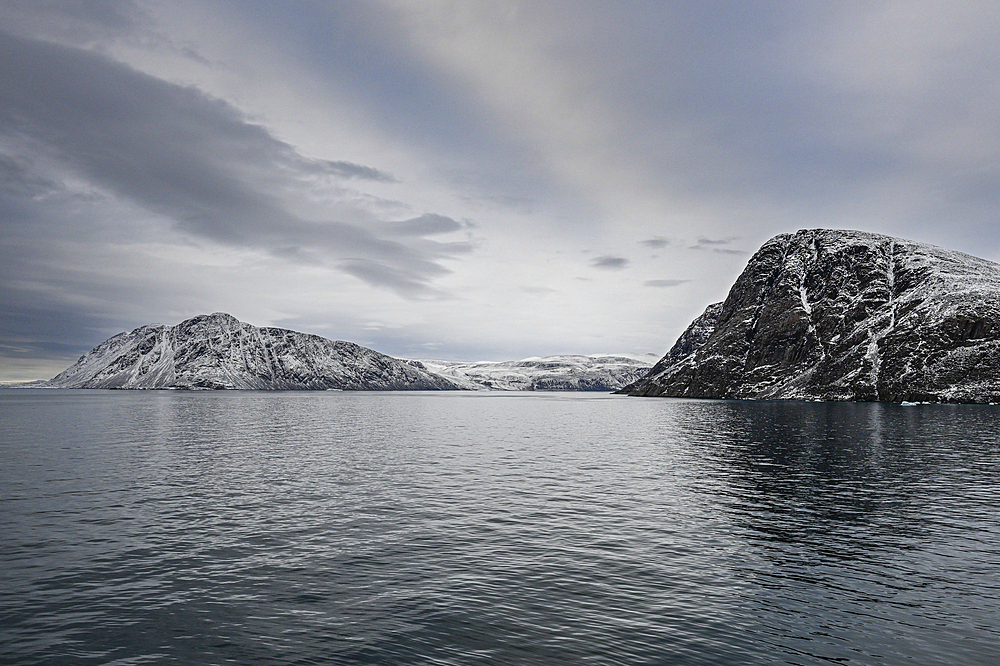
{"x":472,"y":528}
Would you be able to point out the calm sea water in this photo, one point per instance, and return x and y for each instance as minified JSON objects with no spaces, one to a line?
{"x":493,"y":528}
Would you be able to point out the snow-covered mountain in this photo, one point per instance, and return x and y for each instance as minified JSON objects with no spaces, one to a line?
{"x":551,"y":373}
{"x":218,"y":351}
{"x":844,"y":315}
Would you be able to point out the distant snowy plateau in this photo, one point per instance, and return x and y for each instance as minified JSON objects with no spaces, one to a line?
{"x":551,"y":373}
{"x":844,"y":315}
{"x":218,"y":351}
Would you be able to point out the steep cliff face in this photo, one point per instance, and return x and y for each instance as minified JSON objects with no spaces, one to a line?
{"x":691,"y":340}
{"x":846,"y":315}
{"x":218,"y":351}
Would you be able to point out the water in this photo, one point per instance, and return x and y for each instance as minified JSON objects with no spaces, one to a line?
{"x":491,"y":528}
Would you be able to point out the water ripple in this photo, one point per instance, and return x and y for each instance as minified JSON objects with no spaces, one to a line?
{"x":360,"y":528}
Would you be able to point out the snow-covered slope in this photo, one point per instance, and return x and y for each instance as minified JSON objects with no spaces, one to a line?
{"x":218,"y":351}
{"x":846,"y":315}
{"x":552,"y":373}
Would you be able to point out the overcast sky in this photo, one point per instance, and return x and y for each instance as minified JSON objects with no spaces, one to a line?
{"x":466,"y":180}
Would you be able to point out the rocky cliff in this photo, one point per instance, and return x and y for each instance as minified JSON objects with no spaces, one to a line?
{"x":844,"y":315}
{"x":218,"y":351}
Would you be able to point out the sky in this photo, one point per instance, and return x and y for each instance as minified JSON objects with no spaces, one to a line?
{"x":476,"y":180}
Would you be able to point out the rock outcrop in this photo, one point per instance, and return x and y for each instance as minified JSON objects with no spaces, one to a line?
{"x":844,"y":315}
{"x":218,"y":351}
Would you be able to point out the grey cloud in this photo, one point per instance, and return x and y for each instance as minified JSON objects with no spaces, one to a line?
{"x":349,"y":170}
{"x":17,"y":178}
{"x":716,"y":245}
{"x":26,"y":326}
{"x":406,"y":283}
{"x":609,"y":262}
{"x":762,"y":113}
{"x":448,"y":249}
{"x":664,"y":283}
{"x":89,"y":22}
{"x":425,"y":225}
{"x":73,"y":21}
{"x":53,"y":308}
{"x":297,"y":254}
{"x":701,"y":243}
{"x":655,"y":242}
{"x":194,"y":160}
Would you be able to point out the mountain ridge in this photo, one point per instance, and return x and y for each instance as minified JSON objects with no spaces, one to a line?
{"x":846,"y":315}
{"x":218,"y":351}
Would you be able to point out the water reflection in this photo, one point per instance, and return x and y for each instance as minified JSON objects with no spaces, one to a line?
{"x":858,"y":516}
{"x":839,"y":476}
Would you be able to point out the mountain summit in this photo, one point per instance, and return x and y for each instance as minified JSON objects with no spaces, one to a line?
{"x":218,"y":351}
{"x":844,"y":315}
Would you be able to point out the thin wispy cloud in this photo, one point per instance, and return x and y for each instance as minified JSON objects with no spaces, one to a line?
{"x":717,"y":245}
{"x":664,"y":283}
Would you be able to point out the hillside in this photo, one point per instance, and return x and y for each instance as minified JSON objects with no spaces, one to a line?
{"x":844,"y":315}
{"x":218,"y":351}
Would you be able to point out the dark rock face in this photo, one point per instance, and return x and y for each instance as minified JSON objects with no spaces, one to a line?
{"x":691,"y":340}
{"x":845,"y":315}
{"x":218,"y":351}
